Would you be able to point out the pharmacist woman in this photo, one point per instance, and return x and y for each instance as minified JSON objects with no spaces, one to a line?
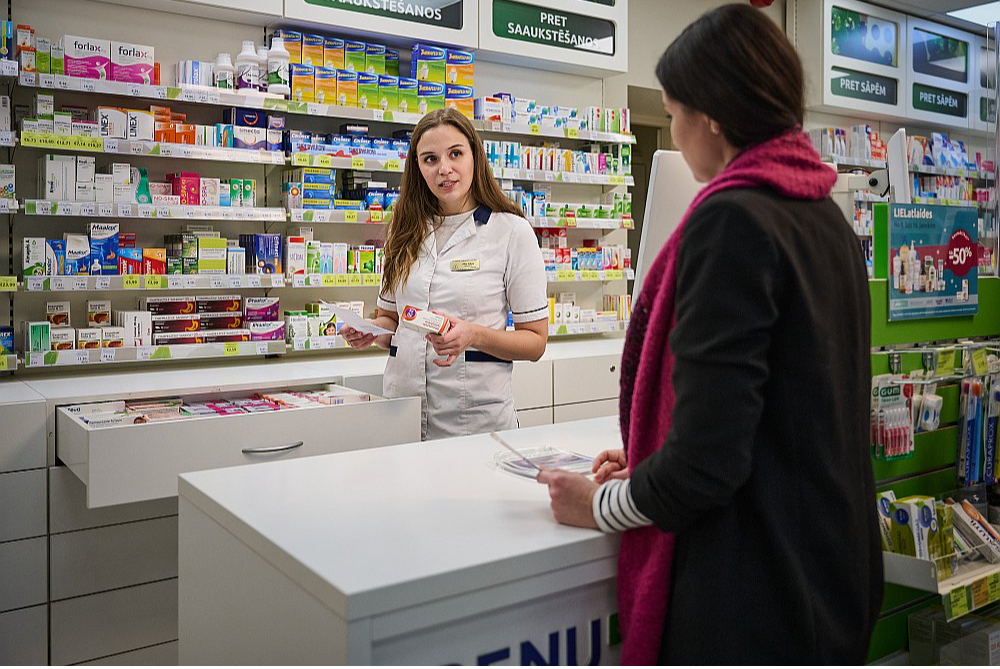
{"x":456,"y":245}
{"x":745,"y":492}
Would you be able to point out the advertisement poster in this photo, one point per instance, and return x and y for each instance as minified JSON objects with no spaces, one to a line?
{"x":933,"y":261}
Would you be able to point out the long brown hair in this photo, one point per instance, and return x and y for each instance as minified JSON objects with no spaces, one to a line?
{"x":737,"y":67}
{"x":417,"y":205}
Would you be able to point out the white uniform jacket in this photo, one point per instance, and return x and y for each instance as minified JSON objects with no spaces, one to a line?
{"x":490,"y":264}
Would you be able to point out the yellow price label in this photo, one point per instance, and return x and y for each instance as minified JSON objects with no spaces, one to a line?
{"x":351,"y":216}
{"x":979,"y":362}
{"x":301,"y":159}
{"x":3,"y":362}
{"x":8,"y":283}
{"x":589,"y":275}
{"x":393,"y":165}
{"x":230,"y":348}
{"x":131,"y":281}
{"x":946,"y":362}
{"x":980,"y":593}
{"x":375,"y":216}
{"x":616,"y":180}
{"x":993,"y":582}
{"x":566,"y":275}
{"x":357,"y":163}
{"x":328,"y":280}
{"x":156,"y":282}
{"x":614,"y":275}
{"x":573,"y":133}
{"x":87,"y":143}
{"x":372,"y":279}
{"x":354,"y":280}
{"x":958,"y":602}
{"x":341,"y":280}
{"x":534,"y":129}
{"x":324,"y":161}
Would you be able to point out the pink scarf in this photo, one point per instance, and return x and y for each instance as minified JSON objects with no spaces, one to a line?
{"x":789,"y":165}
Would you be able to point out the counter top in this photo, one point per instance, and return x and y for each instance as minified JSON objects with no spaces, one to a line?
{"x":367,"y":532}
{"x":13,"y":391}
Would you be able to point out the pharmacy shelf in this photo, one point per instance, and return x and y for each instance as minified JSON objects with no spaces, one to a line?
{"x":55,"y":284}
{"x":589,"y":275}
{"x":843,"y":161}
{"x":537,"y":130}
{"x":952,"y":203}
{"x":144,"y":148}
{"x":334,"y":280}
{"x":172,"y":211}
{"x":582,"y":223}
{"x":563,"y":177}
{"x":317,"y":343}
{"x":973,"y":586}
{"x":8,"y":362}
{"x":599,"y":327}
{"x":153,"y":353}
{"x":339,"y":216}
{"x":345,"y":163}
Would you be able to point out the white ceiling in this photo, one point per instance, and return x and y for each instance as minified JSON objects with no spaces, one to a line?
{"x":935,"y":10}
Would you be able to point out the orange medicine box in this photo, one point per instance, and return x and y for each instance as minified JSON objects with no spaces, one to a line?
{"x":325,"y":84}
{"x":154,"y":261}
{"x":421,"y":320}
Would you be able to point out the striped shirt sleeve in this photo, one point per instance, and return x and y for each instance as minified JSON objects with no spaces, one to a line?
{"x":614,"y":508}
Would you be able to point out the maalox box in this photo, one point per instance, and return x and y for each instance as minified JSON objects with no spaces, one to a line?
{"x":132,"y":63}
{"x":86,"y":57}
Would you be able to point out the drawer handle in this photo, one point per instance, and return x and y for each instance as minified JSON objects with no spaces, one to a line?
{"x":271,"y":449}
{"x":613,"y":368}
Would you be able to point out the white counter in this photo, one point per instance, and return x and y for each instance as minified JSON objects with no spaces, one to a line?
{"x":420,"y":553}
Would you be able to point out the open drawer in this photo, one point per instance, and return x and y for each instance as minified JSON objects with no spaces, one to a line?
{"x":132,"y":463}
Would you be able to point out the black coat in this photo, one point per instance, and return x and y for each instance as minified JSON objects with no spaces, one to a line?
{"x":765,"y":476}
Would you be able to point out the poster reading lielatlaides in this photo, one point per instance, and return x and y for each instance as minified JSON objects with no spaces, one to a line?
{"x":933,"y":258}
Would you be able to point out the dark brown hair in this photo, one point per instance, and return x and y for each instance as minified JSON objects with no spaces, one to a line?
{"x":737,"y":67}
{"x":418,"y":206}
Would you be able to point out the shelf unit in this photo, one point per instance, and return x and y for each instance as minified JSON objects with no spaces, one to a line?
{"x":241,"y":349}
{"x":973,"y":586}
{"x":183,"y":212}
{"x":582,"y":223}
{"x":571,"y":275}
{"x":145,"y":148}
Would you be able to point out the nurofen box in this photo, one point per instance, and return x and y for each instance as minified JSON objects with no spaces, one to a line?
{"x":333,"y":53}
{"x":461,"y":98}
{"x":154,"y":261}
{"x":33,"y":256}
{"x":460,"y":67}
{"x":86,"y":57}
{"x":325,"y":85}
{"x":98,"y":313}
{"x":367,"y":90}
{"x":427,"y":63}
{"x":423,"y":321}
{"x":312,"y":50}
{"x":129,"y":261}
{"x":354,"y":55}
{"x":261,"y":309}
{"x":388,"y":93}
{"x":347,"y":88}
{"x":430,"y":96}
{"x":302,"y":82}
{"x":131,"y":63}
{"x":407,"y":101}
{"x":375,"y":59}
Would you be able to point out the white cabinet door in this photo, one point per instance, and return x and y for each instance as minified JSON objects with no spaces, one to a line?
{"x":533,"y":417}
{"x":584,"y":410}
{"x":22,"y":505}
{"x":22,"y":574}
{"x":532,"y":384}
{"x":585,"y":379}
{"x":23,"y":443}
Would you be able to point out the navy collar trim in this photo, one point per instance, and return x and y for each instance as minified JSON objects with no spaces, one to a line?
{"x":482,"y":214}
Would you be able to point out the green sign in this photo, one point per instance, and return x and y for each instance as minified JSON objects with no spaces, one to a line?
{"x":940,"y":101}
{"x":863,"y":86}
{"x":441,"y":13}
{"x":987,"y":110}
{"x":550,"y":27}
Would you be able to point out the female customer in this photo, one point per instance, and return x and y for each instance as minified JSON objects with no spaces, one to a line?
{"x":458,"y":246}
{"x":745,"y":490}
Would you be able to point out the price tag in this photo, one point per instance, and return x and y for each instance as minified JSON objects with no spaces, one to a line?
{"x":214,"y":97}
{"x":137,"y":149}
{"x":589,"y":275}
{"x":324,"y":161}
{"x":82,"y":357}
{"x":565,"y":275}
{"x":162,"y":212}
{"x":43,"y":208}
{"x":62,"y":82}
{"x":354,"y":280}
{"x":133,"y":90}
{"x":102,"y":283}
{"x":230,"y":348}
{"x":175,"y":281}
{"x":235,"y":282}
{"x":108,"y":354}
{"x":614,"y":275}
{"x":160,"y":92}
{"x":88,"y":209}
{"x":529,"y":174}
{"x":301,"y":159}
{"x":357,"y":163}
{"x":378,"y":114}
{"x":79,"y":283}
{"x":616,"y":180}
{"x":89,"y":85}
{"x":146,"y":211}
{"x":299,"y":281}
{"x":216,"y":281}
{"x":35,"y":284}
{"x":105,"y":210}
{"x":393,"y":165}
{"x":131,"y":281}
{"x":372,"y":279}
{"x":144,"y":353}
{"x":59,"y":283}
{"x":979,"y":364}
{"x":375,"y":216}
{"x":46,"y":81}
{"x":980,"y":593}
{"x":261,"y":348}
{"x":958,"y":602}
{"x":126,"y":211}
{"x":314,"y":280}
{"x":342,"y":279}
{"x":573,"y":133}
{"x":495,"y":126}
{"x":350,"y":216}
{"x":946,"y":362}
{"x":253,"y":281}
{"x":534,"y":129}
{"x":156,"y":282}
{"x":190,"y":281}
{"x":8,"y":284}
{"x":4,"y":362}
{"x":34,"y":359}
{"x":202,"y":97}
{"x":329,"y":280}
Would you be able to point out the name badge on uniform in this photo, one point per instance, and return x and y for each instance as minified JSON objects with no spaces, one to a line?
{"x":465,"y":265}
